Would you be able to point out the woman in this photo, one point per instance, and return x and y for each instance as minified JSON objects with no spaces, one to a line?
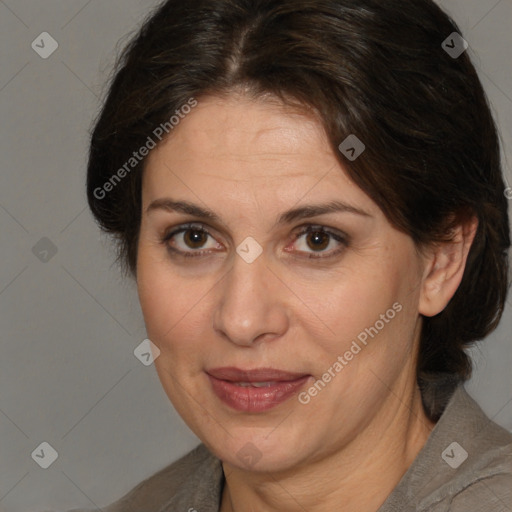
{"x":309,"y":196}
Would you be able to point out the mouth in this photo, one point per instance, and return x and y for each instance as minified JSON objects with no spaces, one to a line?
{"x":255,"y":390}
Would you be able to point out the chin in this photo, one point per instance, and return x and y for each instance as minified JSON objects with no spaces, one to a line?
{"x":265,"y":450}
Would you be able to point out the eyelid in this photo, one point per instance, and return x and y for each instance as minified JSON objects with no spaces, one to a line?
{"x":339,"y":236}
{"x":198,"y":226}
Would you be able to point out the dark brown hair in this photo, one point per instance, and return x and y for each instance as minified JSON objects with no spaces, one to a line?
{"x":373,"y":68}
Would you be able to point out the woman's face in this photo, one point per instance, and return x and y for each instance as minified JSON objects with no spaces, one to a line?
{"x":254,"y":291}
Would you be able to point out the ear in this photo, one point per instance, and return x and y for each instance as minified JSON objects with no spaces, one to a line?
{"x":444,"y":268}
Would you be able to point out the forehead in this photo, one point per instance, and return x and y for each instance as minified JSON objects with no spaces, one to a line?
{"x":237,"y":126}
{"x":249,"y":148}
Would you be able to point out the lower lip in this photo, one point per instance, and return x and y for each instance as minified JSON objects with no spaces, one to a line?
{"x":251,"y":399}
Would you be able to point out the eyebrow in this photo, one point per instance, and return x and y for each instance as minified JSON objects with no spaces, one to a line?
{"x":287,"y":217}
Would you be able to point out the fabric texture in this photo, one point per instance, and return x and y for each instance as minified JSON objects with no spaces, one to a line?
{"x":465,"y":466}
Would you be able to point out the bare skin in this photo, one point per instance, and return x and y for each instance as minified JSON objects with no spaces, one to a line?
{"x":249,"y":161}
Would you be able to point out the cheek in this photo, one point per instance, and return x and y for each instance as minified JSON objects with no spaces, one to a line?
{"x":173,"y":307}
{"x":374,"y":303}
{"x":158,"y":294}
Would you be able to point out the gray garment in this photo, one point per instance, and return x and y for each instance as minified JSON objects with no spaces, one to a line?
{"x":438,"y":480}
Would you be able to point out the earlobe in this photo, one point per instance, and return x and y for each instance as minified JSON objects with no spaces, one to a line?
{"x":444,"y":269}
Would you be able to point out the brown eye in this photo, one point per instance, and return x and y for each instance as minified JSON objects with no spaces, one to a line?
{"x":318,"y":240}
{"x":314,"y":240}
{"x":195,"y":238}
{"x":186,"y":240}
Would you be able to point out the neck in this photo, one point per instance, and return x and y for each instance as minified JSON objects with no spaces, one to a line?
{"x":357,"y":477}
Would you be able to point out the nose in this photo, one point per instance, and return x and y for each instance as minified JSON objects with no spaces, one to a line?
{"x":251,"y":305}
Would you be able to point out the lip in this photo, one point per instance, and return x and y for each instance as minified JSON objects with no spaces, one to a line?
{"x":233,"y":374}
{"x":283,"y":385}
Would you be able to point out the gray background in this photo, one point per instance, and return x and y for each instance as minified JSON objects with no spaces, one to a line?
{"x":68,"y":375}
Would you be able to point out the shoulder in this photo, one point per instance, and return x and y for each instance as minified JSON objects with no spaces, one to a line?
{"x":485,"y":481}
{"x":198,"y":468}
{"x":490,"y":493}
{"x":473,"y":461}
{"x":465,"y":465}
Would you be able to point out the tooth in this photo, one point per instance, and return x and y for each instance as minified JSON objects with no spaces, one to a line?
{"x":262,"y":384}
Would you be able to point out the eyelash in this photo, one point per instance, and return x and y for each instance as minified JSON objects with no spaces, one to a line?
{"x":310,"y":228}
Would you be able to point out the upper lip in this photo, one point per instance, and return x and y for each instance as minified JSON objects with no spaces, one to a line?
{"x":255,"y":375}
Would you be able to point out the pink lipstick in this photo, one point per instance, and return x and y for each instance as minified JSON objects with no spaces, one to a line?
{"x":255,"y":390}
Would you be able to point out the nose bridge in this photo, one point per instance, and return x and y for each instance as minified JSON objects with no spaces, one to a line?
{"x":248,"y":305}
